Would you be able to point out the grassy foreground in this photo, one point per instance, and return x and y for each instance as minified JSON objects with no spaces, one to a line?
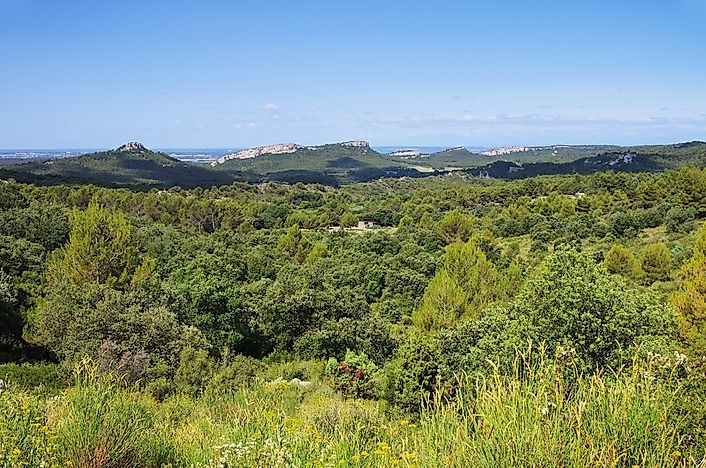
{"x":538,"y":420}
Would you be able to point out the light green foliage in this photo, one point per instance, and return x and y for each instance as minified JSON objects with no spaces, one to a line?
{"x":98,"y":424}
{"x":319,"y":250}
{"x":690,"y":300}
{"x":101,"y":249}
{"x":456,"y":226}
{"x":443,"y":305}
{"x":624,"y":420}
{"x":294,"y":244}
{"x":234,"y":374}
{"x":620,"y":260}
{"x":461,"y":289}
{"x":655,"y":263}
{"x":195,"y":368}
{"x":348,"y":220}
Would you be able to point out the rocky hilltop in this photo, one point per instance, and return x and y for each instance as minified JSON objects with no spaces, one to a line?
{"x":283,"y":148}
{"x":132,"y":147}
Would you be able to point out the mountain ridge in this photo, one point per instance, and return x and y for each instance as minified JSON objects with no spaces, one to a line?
{"x":134,"y":165}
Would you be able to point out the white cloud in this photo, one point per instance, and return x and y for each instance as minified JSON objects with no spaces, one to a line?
{"x":270,"y":107}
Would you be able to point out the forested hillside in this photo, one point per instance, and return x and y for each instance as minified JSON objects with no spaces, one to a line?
{"x":549,"y":321}
{"x":345,"y":163}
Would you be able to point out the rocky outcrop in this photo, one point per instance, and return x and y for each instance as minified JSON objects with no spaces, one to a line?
{"x":504,"y":151}
{"x":408,"y":153}
{"x":356,"y":144}
{"x":132,"y":147}
{"x":282,"y":148}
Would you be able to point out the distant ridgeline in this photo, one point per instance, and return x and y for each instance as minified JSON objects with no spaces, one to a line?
{"x":133,"y":165}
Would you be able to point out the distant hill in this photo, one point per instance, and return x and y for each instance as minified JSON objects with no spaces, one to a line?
{"x":129,"y":165}
{"x":351,"y":161}
{"x":642,"y":159}
{"x":460,"y":157}
{"x":133,"y":165}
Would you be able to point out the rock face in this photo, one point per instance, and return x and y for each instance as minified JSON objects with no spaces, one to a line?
{"x":132,"y":147}
{"x":505,"y":151}
{"x":356,"y":143}
{"x":282,"y":148}
{"x":408,"y":153}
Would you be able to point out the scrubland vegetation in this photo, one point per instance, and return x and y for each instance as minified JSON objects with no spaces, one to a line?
{"x":554,"y":321}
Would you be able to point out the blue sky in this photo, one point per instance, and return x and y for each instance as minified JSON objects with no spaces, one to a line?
{"x":242,"y":73}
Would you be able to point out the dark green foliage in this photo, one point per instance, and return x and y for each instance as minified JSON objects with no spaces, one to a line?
{"x":369,"y":335}
{"x":45,"y":225}
{"x":240,"y":371}
{"x":412,"y":377}
{"x":36,"y":377}
{"x":302,"y":298}
{"x":569,"y":304}
{"x":195,"y":368}
{"x":679,"y":218}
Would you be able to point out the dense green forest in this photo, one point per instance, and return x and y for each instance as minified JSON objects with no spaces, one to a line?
{"x":548,"y":321}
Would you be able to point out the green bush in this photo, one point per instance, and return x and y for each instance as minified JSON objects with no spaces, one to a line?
{"x":354,"y":376}
{"x":241,"y":371}
{"x":195,"y":368}
{"x":36,"y":377}
{"x":289,"y":369}
{"x":656,"y":263}
{"x":680,"y":219}
{"x":369,"y":335}
{"x":569,"y":303}
{"x":411,"y":378}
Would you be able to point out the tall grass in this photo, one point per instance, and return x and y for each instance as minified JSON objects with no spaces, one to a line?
{"x":539,"y":417}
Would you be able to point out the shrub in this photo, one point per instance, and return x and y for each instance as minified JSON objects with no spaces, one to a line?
{"x":568,"y":303}
{"x":620,"y":260}
{"x":690,"y":299}
{"x":354,"y":376}
{"x":412,"y":377}
{"x":369,"y":335}
{"x":656,"y":263}
{"x":456,"y":226}
{"x":680,"y":218}
{"x":35,"y":377}
{"x":241,"y":371}
{"x":195,"y":368}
